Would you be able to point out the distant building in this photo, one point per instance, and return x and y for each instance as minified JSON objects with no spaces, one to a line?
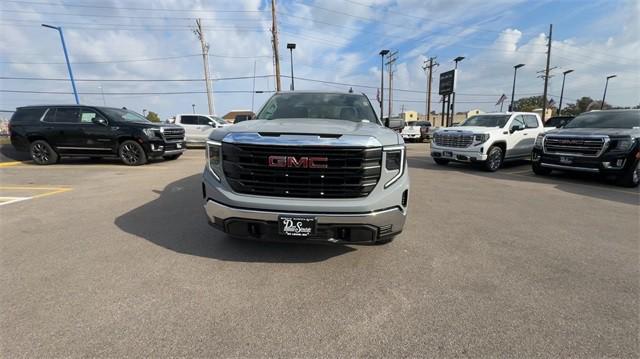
{"x":231,"y":116}
{"x":548,"y":112}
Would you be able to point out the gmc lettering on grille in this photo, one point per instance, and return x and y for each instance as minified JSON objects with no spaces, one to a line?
{"x":297,"y":162}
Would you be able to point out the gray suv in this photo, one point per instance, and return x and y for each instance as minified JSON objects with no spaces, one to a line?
{"x":313,"y":166}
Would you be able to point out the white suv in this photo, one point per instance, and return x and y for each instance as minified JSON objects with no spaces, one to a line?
{"x":197,"y":128}
{"x":489,"y":139}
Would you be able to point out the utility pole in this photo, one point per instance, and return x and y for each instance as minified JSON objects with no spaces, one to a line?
{"x":205,"y":59}
{"x":274,"y":33}
{"x":383,"y":53}
{"x":430,"y":67}
{"x":546,"y":74}
{"x":392,"y":59}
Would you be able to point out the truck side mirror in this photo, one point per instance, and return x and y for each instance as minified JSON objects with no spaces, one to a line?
{"x":99,"y":121}
{"x":395,"y":123}
{"x":516,"y":127}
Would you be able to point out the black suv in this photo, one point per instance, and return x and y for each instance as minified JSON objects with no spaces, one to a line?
{"x":51,"y":132}
{"x":605,"y":142}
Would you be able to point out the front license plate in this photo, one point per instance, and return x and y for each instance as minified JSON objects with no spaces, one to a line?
{"x":447,"y":154}
{"x":566,"y":160}
{"x":178,"y":145}
{"x":296,"y":226}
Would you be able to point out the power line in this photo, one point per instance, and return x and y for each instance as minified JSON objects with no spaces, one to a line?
{"x":132,"y":93}
{"x":133,"y":8}
{"x":134,"y":60}
{"x":123,"y":16}
{"x":132,"y":80}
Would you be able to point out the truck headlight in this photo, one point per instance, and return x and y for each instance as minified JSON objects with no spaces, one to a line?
{"x":394,"y":161}
{"x":214,"y":157}
{"x":624,"y":144}
{"x":151,"y":132}
{"x":538,"y":143}
{"x":480,"y":138}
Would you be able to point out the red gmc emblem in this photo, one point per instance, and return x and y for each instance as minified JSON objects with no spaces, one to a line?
{"x":299,"y":162}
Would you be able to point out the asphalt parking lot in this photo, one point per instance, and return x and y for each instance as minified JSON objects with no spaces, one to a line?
{"x":100,"y":259}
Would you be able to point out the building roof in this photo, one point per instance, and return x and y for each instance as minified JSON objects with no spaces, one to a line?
{"x":232,"y":114}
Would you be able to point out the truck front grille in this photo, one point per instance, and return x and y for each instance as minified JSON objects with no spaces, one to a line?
{"x":350,"y":172}
{"x":453,"y":140}
{"x":574,"y":145}
{"x":173,"y":134}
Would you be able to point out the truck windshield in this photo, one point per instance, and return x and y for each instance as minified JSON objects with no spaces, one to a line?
{"x":606,"y":119}
{"x":355,"y":108}
{"x":124,"y":115}
{"x":487,"y":121}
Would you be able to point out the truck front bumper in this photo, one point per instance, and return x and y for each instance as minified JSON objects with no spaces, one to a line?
{"x":470,"y":154}
{"x":610,"y":163}
{"x":162,"y":148}
{"x":331,"y":227}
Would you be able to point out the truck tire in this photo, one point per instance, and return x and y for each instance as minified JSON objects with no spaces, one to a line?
{"x":494,"y":159}
{"x":441,"y":161}
{"x":539,"y":170}
{"x":132,"y":154}
{"x":631,"y":178}
{"x":42,"y":153}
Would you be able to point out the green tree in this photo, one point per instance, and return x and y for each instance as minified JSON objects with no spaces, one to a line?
{"x":583,"y":104}
{"x":153,"y":117}
{"x":527,"y":104}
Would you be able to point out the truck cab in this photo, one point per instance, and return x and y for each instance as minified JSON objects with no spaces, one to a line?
{"x":198,"y":127}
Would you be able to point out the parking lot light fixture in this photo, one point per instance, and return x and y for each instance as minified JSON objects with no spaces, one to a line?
{"x":453,"y":98}
{"x":564,"y":75}
{"x":66,"y":57}
{"x":291,"y":46}
{"x":605,"y":90}
{"x":513,"y":89}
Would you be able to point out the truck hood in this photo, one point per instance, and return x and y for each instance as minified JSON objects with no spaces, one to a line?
{"x":312,"y":126}
{"x":635,"y":132}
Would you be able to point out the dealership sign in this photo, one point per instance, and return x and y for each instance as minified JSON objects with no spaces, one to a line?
{"x":447,"y":83}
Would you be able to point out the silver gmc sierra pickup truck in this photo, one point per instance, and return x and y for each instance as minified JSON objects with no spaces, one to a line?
{"x":312,"y":166}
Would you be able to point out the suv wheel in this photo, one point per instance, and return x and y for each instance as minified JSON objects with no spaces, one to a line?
{"x":42,"y":153}
{"x":494,"y":159}
{"x":441,"y":161}
{"x":631,"y":178}
{"x":132,"y":154}
{"x":539,"y":170}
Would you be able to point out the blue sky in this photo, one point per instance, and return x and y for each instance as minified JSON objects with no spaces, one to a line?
{"x":337,"y":42}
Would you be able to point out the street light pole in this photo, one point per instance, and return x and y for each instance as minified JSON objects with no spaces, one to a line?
{"x":193,"y":107}
{"x":383,"y":53}
{"x":513,"y":89}
{"x":453,"y":100}
{"x":291,"y":46}
{"x":66,"y":57}
{"x":605,"y":90}
{"x":564,"y":75}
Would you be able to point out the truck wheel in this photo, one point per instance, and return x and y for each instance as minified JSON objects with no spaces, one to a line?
{"x":494,"y":159}
{"x":441,"y":161}
{"x":539,"y":170}
{"x":172,"y":157}
{"x":42,"y":153}
{"x":631,"y":178}
{"x":132,"y":154}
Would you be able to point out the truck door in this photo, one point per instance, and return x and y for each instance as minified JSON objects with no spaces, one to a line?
{"x":62,"y":128}
{"x":516,"y":141}
{"x":98,"y":137}
{"x":190,"y":125}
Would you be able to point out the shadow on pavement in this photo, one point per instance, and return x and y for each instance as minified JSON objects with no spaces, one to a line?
{"x":9,"y":153}
{"x":583,"y":184}
{"x":176,"y":221}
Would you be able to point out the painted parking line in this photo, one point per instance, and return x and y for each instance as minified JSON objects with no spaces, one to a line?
{"x":25,"y":166}
{"x":32,"y":191}
{"x":9,"y":164}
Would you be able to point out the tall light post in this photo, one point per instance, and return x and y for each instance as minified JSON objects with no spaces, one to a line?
{"x":564,"y":75}
{"x":453,"y":100}
{"x":66,"y":57}
{"x":383,"y":53}
{"x":513,"y":89}
{"x":291,"y":46}
{"x":605,"y":90}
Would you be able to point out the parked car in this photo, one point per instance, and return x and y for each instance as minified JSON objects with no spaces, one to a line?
{"x":313,"y":166}
{"x":52,"y":132}
{"x":558,"y":121}
{"x":488,"y":139}
{"x":198,"y":127}
{"x":605,"y":142}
